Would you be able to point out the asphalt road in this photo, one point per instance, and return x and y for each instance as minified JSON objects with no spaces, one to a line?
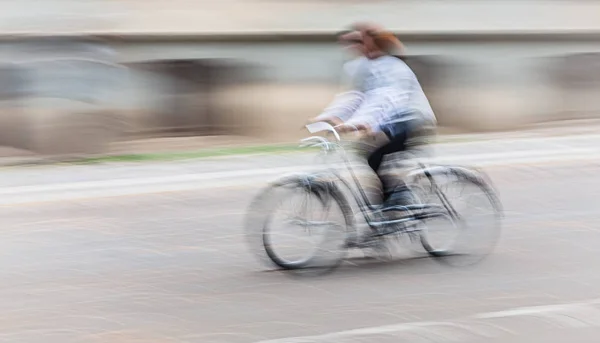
{"x":173,"y":267}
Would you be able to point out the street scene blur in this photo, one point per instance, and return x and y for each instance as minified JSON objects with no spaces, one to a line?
{"x":253,"y":171}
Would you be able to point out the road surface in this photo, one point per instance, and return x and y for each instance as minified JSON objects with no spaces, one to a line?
{"x":173,"y":267}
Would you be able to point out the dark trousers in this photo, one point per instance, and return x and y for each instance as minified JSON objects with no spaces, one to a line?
{"x":398,"y":135}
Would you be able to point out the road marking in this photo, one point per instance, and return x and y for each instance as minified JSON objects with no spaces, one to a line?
{"x":483,"y":325}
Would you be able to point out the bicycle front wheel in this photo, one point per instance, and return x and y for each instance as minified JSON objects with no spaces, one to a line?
{"x":300,"y":223}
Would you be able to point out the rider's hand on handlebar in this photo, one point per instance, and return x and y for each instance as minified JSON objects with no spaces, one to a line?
{"x":333,"y":121}
{"x":345,"y":128}
{"x":363,"y":131}
{"x":360,"y":130}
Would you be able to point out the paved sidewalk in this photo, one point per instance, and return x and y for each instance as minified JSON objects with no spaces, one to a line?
{"x":446,"y":135}
{"x":15,"y":157}
{"x":499,"y":151}
{"x":62,"y":182}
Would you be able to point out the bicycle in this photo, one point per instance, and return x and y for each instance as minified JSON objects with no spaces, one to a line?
{"x":330,"y":188}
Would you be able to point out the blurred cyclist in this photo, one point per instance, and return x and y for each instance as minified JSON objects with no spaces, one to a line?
{"x":387,"y":99}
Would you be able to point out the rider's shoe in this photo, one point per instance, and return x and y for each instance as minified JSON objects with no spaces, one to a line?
{"x":367,"y":240}
{"x":380,"y":251}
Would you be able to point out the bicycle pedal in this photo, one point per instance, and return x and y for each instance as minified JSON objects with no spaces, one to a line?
{"x":356,"y":243}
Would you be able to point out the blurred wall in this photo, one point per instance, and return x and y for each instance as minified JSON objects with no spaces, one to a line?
{"x":260,"y":68}
{"x":59,"y":96}
{"x":408,"y":16}
{"x":76,"y":95}
{"x":475,"y":82}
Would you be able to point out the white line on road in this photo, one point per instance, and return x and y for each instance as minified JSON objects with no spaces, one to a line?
{"x":571,"y":315}
{"x":236,"y":178}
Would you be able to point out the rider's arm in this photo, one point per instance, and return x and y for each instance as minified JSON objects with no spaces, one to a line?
{"x":343,"y":106}
{"x":374,"y":111}
{"x":349,"y":99}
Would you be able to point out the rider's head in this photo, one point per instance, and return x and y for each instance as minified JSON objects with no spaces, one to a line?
{"x":378,"y":42}
{"x":367,"y":31}
{"x":352,"y":41}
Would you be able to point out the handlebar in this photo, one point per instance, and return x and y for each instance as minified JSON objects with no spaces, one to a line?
{"x":323,"y":142}
{"x":335,"y":130}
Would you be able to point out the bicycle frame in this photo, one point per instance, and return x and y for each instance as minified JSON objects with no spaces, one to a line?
{"x":368,"y":210}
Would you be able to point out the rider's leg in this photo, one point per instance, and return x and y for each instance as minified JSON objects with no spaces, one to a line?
{"x":398,"y":136}
{"x":370,"y":182}
{"x":406,"y":139}
{"x":396,"y":143}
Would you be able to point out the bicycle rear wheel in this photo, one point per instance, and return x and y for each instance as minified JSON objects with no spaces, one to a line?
{"x":301,"y":206}
{"x":469,"y":228}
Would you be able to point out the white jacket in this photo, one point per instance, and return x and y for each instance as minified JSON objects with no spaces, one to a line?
{"x":386,"y":91}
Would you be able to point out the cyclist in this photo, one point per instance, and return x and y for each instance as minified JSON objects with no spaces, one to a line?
{"x":387,"y":99}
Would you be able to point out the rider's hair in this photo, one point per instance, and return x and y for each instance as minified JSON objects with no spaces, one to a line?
{"x":387,"y":42}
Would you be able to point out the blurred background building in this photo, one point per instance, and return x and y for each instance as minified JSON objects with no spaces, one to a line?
{"x":80,"y":74}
